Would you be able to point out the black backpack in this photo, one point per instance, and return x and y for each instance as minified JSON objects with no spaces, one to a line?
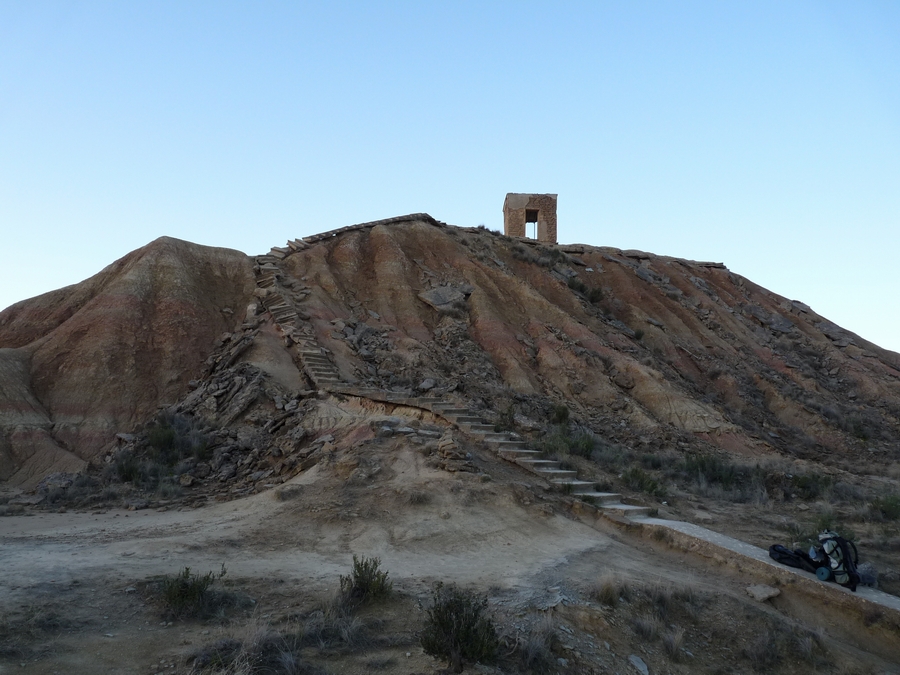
{"x":795,"y":558}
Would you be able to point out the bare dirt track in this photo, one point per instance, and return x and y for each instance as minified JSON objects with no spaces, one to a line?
{"x":74,"y":581}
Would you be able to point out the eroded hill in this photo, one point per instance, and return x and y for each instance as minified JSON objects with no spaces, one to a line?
{"x":645,"y":350}
{"x":384,"y":383}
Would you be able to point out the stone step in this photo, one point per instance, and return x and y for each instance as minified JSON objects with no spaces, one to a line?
{"x":515,"y":455}
{"x":315,"y":357}
{"x":503,"y":446}
{"x":447,"y":405}
{"x":446,"y":412}
{"x":500,"y":436}
{"x":629,"y":510}
{"x":576,"y":486}
{"x":555,"y":474}
{"x":464,"y":419}
{"x":480,"y":428}
{"x":601,"y":497}
{"x":535,"y":464}
{"x":519,"y":453}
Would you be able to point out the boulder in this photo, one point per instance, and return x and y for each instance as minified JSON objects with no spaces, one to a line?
{"x":761,"y":592}
{"x":442,"y":297}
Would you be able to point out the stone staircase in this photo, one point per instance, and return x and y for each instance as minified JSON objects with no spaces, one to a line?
{"x":509,"y":446}
{"x":316,"y":364}
{"x":282,"y":252}
{"x":322,"y":371}
{"x":325,"y":375}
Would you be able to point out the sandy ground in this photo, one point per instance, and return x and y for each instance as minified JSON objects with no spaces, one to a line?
{"x":83,"y":567}
{"x":85,"y":570}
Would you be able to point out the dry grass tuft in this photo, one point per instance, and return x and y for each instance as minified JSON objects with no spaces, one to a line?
{"x":536,"y":651}
{"x":763,"y":652}
{"x":609,"y":590}
{"x":673,"y":641}
{"x":646,"y":626}
{"x":414,"y":497}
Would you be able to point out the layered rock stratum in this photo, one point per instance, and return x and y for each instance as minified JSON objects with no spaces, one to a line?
{"x":646,"y":351}
{"x":85,"y":362}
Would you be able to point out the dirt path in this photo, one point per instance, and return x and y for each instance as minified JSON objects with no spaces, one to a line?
{"x":70,"y":578}
{"x":78,"y":567}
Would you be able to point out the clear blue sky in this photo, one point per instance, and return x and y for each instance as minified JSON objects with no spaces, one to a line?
{"x":765,"y":135}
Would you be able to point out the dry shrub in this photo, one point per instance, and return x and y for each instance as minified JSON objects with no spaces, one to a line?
{"x":413,"y":497}
{"x":663,"y":598}
{"x":188,"y":594}
{"x":609,"y":590}
{"x":260,"y":651}
{"x":763,"y":652}
{"x":673,"y":641}
{"x":535,"y":653}
{"x":35,"y":622}
{"x":646,"y":626}
{"x":457,"y":629}
{"x":366,"y":582}
{"x":287,"y":493}
{"x":333,"y":626}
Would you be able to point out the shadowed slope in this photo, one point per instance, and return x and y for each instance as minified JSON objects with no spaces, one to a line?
{"x":99,"y":357}
{"x":673,"y":346}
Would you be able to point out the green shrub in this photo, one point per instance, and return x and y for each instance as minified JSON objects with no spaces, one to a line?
{"x":595,"y":295}
{"x":638,"y":479}
{"x":737,"y":482}
{"x":577,"y":285}
{"x":187,"y":594}
{"x":582,"y":444}
{"x":142,"y":473}
{"x":651,"y":461}
{"x":506,"y":420}
{"x":175,"y":437}
{"x":559,"y":414}
{"x":887,"y":508}
{"x":563,"y":442}
{"x":366,"y":582}
{"x":811,"y":486}
{"x":639,"y":334}
{"x":711,"y":470}
{"x":457,"y":630}
{"x":611,"y":457}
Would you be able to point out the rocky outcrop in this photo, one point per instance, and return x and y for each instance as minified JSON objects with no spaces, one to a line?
{"x":100,"y":357}
{"x":641,"y":349}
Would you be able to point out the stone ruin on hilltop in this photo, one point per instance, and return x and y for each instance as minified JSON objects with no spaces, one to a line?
{"x":520,"y":209}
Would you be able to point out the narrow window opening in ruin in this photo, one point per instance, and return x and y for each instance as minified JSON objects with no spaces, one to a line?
{"x":531,"y":219}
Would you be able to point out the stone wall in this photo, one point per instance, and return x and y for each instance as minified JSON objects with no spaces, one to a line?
{"x":542,"y":208}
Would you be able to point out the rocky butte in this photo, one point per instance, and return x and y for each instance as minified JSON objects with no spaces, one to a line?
{"x":622,"y":382}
